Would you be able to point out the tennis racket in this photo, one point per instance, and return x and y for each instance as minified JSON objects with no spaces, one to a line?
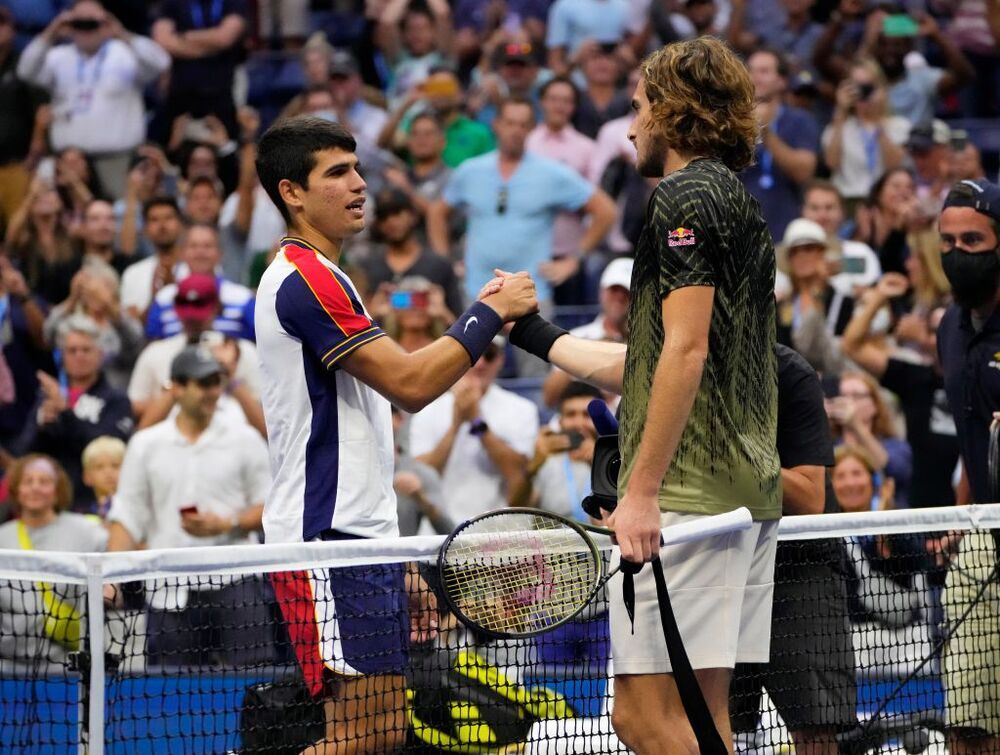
{"x":517,"y":573}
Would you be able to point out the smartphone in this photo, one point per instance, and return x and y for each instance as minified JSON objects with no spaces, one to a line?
{"x":865,"y":91}
{"x":197,"y":130}
{"x":408,"y":300}
{"x":189,"y":509}
{"x":853,"y":265}
{"x":575,"y":438}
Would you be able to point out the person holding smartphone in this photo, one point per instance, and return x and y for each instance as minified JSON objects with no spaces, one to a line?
{"x":558,"y":476}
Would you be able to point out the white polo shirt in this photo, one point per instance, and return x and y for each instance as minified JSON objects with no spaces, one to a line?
{"x":223,"y":472}
{"x":97,"y":101}
{"x":472,"y":483}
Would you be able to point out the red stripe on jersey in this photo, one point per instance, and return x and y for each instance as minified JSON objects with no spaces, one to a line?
{"x":329,"y":291}
{"x":293,"y":591}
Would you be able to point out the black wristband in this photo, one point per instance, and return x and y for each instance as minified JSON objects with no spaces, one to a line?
{"x":475,"y":329}
{"x":535,"y":334}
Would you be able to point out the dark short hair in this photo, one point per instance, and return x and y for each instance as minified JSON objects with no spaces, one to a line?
{"x":214,"y":183}
{"x":516,"y":100}
{"x":560,"y":80}
{"x":427,"y":115}
{"x":287,"y":150}
{"x":155,"y":202}
{"x":784,"y":70}
{"x":577,"y":389}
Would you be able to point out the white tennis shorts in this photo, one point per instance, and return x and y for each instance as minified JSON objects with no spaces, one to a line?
{"x":721,"y":589}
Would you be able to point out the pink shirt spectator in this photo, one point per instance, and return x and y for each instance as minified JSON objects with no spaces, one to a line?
{"x":612,"y":143}
{"x":572,"y":149}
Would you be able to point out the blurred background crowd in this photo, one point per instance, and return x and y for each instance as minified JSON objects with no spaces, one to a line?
{"x":134,"y":227}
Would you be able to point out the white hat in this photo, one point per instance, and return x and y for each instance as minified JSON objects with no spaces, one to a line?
{"x":618,"y":273}
{"x":804,"y":232}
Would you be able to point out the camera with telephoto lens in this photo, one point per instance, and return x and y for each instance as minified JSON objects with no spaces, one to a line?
{"x":603,"y":477}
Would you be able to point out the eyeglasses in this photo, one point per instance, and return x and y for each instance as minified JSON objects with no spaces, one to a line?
{"x":502,"y":201}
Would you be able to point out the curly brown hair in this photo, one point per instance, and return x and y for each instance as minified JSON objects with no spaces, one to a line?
{"x":64,"y":487}
{"x":701,"y":95}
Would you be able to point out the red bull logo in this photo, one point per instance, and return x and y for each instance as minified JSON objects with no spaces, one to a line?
{"x":680,"y":237}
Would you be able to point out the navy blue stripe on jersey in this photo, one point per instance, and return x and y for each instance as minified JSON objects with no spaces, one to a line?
{"x":304,"y":317}
{"x":322,"y":467}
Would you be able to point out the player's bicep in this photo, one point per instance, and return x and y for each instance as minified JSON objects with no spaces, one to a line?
{"x":687,"y":318}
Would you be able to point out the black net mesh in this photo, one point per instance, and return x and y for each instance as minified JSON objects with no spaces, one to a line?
{"x":876,"y":647}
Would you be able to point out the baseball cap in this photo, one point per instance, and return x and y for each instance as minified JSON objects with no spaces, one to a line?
{"x":804,"y":232}
{"x":194,"y":363}
{"x":197,"y":297}
{"x":926,"y":135}
{"x":981,"y":195}
{"x":342,"y":63}
{"x":517,"y":52}
{"x":618,"y":273}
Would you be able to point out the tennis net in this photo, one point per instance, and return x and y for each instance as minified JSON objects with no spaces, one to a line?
{"x":879,"y":641}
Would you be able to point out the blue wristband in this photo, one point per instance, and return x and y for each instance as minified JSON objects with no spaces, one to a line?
{"x":475,"y":329}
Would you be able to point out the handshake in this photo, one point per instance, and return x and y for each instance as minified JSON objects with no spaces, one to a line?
{"x":510,"y":295}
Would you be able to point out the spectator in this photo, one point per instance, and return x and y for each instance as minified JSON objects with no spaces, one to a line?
{"x":150,"y":177}
{"x":94,"y":294}
{"x":414,"y":41}
{"x":854,"y":263}
{"x":476,"y":22}
{"x":556,"y":139}
{"x":610,"y":325}
{"x":77,"y":182}
{"x":786,"y":156}
{"x":364,"y":120}
{"x":287,"y":20}
{"x":508,"y":67}
{"x":22,"y":130}
{"x":600,"y":100}
{"x":698,"y":18}
{"x":203,"y":201}
{"x":839,"y":44}
{"x":441,"y":94}
{"x":512,"y":198}
{"x":142,"y":280}
{"x":96,"y":84}
{"x":929,"y":148}
{"x":930,"y":427}
{"x":97,"y":237}
{"x":966,"y":162}
{"x":102,"y":463}
{"x":857,"y":483}
{"x":914,"y":88}
{"x":891,"y":219}
{"x":558,"y":475}
{"x":78,"y":406}
{"x":211,"y":155}
{"x":861,"y":418}
{"x":424,"y":179}
{"x":39,"y":243}
{"x":217,"y":499}
{"x":575,"y":22}
{"x":204,"y":41}
{"x":402,"y":254}
{"x":412,"y":312}
{"x":478,"y":437}
{"x":317,"y":54}
{"x":970,"y":28}
{"x":863,"y":140}
{"x":41,"y":493}
{"x":201,"y":256}
{"x":812,"y":312}
{"x":418,"y":488}
{"x":150,"y":399}
{"x":795,"y":35}
{"x":23,"y":350}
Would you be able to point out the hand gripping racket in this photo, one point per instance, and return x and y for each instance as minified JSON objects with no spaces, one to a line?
{"x":516,"y":573}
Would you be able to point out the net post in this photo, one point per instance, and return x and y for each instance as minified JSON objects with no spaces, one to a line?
{"x":95,"y":631}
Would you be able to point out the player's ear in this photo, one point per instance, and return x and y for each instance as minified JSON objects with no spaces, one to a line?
{"x":291,"y":193}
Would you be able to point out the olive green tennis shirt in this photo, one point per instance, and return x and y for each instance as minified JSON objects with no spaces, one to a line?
{"x":704,"y":229}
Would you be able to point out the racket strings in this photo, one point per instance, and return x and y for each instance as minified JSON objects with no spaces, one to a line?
{"x":523,"y":580}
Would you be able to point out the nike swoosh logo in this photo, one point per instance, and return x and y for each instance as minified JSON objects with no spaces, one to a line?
{"x":469,"y":322}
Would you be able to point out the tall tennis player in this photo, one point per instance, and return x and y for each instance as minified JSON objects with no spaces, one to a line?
{"x":328,"y":375}
{"x":698,"y":380}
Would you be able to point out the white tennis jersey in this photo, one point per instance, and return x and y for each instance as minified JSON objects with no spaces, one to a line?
{"x":330,"y":435}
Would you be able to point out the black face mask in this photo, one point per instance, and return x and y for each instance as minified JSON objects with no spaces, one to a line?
{"x":974,"y":278}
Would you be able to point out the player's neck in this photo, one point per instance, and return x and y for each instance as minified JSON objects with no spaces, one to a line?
{"x":329,"y":248}
{"x":676,"y":161}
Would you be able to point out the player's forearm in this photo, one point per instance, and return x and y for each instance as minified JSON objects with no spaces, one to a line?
{"x":599,"y":363}
{"x":675,"y":385}
{"x":803,"y":489}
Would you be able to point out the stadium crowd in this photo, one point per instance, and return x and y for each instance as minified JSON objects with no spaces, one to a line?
{"x":135,"y":231}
